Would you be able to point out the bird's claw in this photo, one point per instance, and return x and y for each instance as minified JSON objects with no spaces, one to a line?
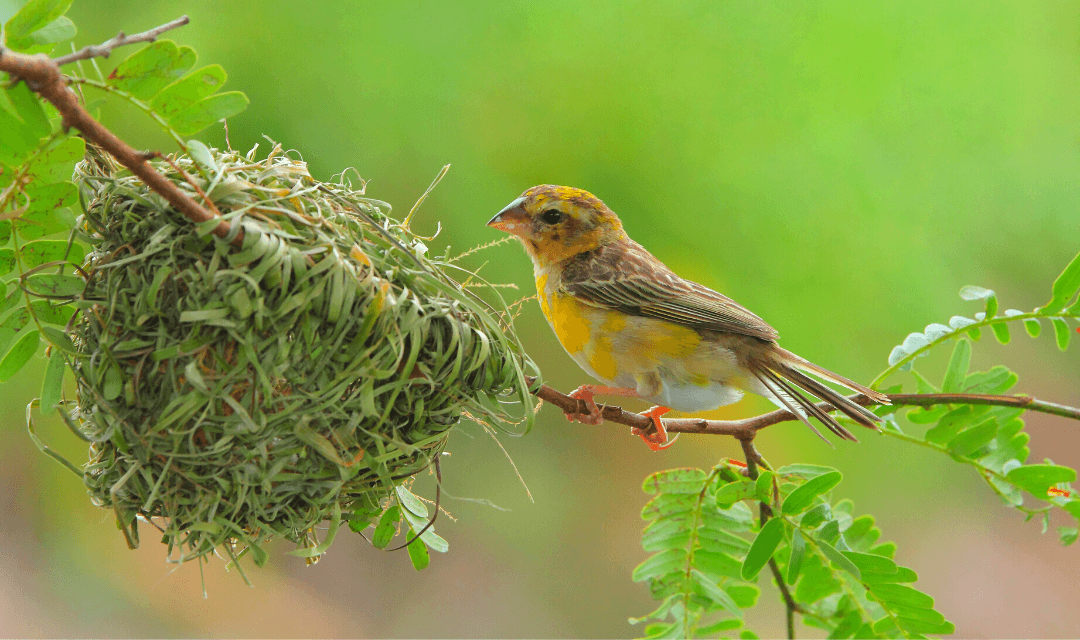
{"x":585,"y":392}
{"x":655,"y":440}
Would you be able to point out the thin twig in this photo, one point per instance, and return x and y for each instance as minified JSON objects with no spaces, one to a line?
{"x":105,"y":48}
{"x":43,"y":76}
{"x":753,"y":458}
{"x":747,"y":427}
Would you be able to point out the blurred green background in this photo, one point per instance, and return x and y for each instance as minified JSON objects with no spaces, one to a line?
{"x":842,"y":169}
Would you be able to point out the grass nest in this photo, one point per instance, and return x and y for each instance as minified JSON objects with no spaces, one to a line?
{"x":234,"y":394}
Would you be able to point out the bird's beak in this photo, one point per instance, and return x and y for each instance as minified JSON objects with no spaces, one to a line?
{"x":512,"y":219}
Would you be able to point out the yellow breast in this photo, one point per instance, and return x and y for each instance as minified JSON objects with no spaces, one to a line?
{"x":610,"y":342}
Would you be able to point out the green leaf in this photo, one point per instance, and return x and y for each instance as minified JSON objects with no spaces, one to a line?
{"x":971,"y":292}
{"x":60,"y":30}
{"x":52,"y":387}
{"x":1061,"y":332}
{"x":41,"y":251}
{"x":1066,"y":285}
{"x":718,"y":627}
{"x":762,"y":548}
{"x":837,"y":558}
{"x":902,"y":595}
{"x":660,"y":564}
{"x":763,"y":487}
{"x":744,"y":595}
{"x":1033,"y":327}
{"x":7,"y":261}
{"x":732,"y":492}
{"x":49,"y":210}
{"x":871,"y":564}
{"x":719,"y":565}
{"x":997,"y":380}
{"x":685,"y":480}
{"x":950,"y":424}
{"x":668,"y":504}
{"x":710,"y":590}
{"x":418,"y":553}
{"x":410,"y":502}
{"x":919,"y":626}
{"x":807,"y":471}
{"x":903,"y":574}
{"x":28,"y":108}
{"x":57,"y":162}
{"x":991,"y":306}
{"x":150,"y":69}
{"x":207,"y":111}
{"x":19,"y":355}
{"x":429,"y":537}
{"x":1001,"y":332}
{"x":803,"y":497}
{"x":971,"y":440}
{"x":665,"y":534}
{"x":384,"y":531}
{"x":958,"y":367}
{"x":798,"y":548}
{"x":189,"y":90}
{"x":18,"y":141}
{"x":813,"y":518}
{"x":50,"y":313}
{"x":60,"y":340}
{"x":11,"y":326}
{"x":33,"y":15}
{"x":1037,"y":478}
{"x":59,"y":286}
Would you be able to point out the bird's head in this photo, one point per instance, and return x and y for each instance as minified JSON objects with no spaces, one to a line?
{"x":557,"y":223}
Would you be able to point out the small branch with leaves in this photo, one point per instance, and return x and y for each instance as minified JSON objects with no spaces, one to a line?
{"x":42,"y":74}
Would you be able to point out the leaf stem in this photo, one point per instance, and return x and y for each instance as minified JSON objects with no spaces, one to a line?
{"x":135,"y":102}
{"x":986,"y":322}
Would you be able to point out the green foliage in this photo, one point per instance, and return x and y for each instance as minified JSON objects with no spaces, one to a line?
{"x":37,"y":159}
{"x":1057,"y":311}
{"x":707,"y":557}
{"x":700,"y":550}
{"x":843,"y":579}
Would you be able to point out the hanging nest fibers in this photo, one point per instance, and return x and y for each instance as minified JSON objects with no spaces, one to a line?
{"x":230,"y":394}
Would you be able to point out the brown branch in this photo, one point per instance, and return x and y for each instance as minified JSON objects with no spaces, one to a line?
{"x":42,"y":75}
{"x":105,"y":48}
{"x":746,"y":428}
{"x":753,"y":459}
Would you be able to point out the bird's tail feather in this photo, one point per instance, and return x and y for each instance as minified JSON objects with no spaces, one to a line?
{"x":784,"y":377}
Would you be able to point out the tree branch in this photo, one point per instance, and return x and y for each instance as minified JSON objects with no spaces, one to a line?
{"x":105,"y":48}
{"x":42,"y":75}
{"x":746,"y":428}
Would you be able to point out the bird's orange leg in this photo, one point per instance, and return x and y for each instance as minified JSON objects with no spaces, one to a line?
{"x":659,"y":440}
{"x":586,"y":392}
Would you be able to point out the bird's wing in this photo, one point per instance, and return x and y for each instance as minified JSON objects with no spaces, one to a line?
{"x":626,"y":277}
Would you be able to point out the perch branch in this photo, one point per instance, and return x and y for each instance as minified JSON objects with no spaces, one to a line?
{"x":105,"y":48}
{"x":746,"y":428}
{"x":42,"y":75}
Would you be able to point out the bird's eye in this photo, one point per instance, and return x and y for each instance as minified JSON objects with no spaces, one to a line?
{"x":552,"y":216}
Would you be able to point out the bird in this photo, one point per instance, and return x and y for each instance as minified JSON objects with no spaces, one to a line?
{"x":643,"y":331}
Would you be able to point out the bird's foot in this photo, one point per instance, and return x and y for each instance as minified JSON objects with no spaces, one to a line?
{"x":656,"y":440}
{"x":594,"y":416}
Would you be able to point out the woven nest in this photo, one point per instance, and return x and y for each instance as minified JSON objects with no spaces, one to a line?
{"x":234,"y":394}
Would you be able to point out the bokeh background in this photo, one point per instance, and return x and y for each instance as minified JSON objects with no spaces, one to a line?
{"x":841,"y":168}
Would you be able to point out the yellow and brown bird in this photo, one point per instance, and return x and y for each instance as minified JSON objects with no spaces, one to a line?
{"x":644,"y":332}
